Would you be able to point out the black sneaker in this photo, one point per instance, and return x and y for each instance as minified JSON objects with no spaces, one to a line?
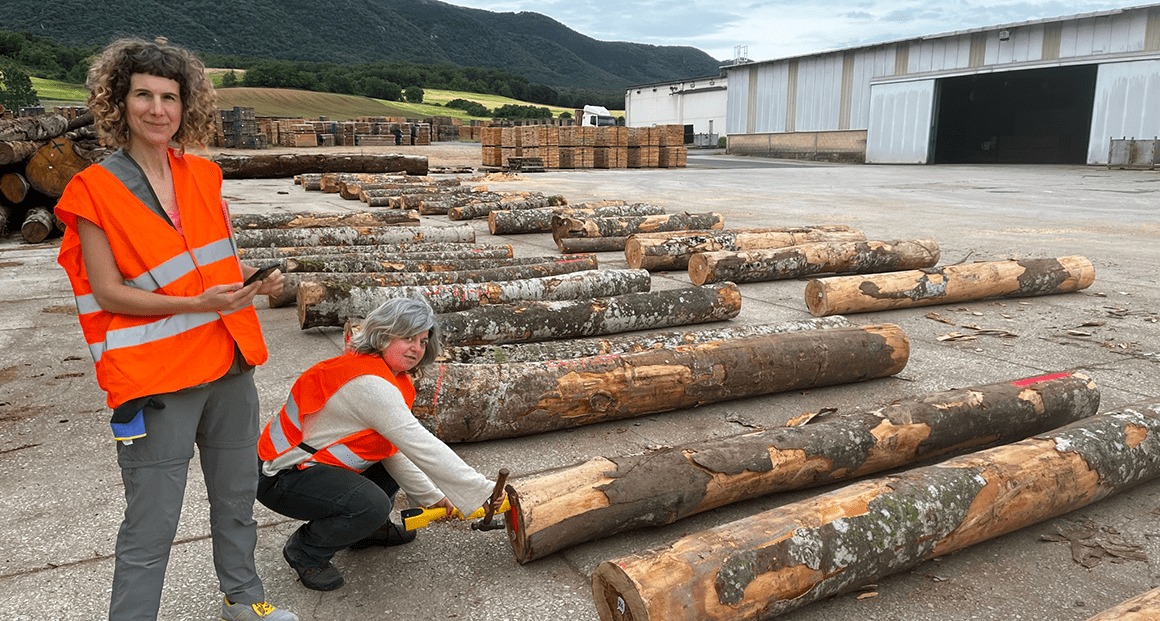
{"x":389,"y":534}
{"x":325,"y":577}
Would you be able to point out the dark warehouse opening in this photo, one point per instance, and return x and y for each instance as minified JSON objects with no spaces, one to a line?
{"x":1037,"y":116}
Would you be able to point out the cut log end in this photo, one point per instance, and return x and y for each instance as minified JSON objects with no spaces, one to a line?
{"x":635,"y":255}
{"x":617,"y":596}
{"x":309,"y":294}
{"x":698,"y":268}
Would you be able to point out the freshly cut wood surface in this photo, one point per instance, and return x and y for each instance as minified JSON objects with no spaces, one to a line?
{"x":573,"y":263}
{"x":858,"y":257}
{"x":539,"y":321}
{"x":38,"y":225}
{"x":948,"y":285}
{"x":779,"y":560}
{"x":671,"y":250}
{"x":1144,"y":607}
{"x":322,"y":304}
{"x":558,"y":394}
{"x":53,"y":165}
{"x":269,"y":166}
{"x":14,"y":187}
{"x":563,"y":507}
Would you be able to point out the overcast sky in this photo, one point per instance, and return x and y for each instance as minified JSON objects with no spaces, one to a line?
{"x":779,"y":28}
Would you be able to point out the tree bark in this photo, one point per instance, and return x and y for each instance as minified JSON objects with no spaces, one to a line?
{"x":5,"y":216}
{"x":52,"y":166}
{"x":279,"y":166}
{"x":478,"y":210}
{"x":569,"y":245}
{"x":779,"y":560}
{"x":539,"y":321}
{"x":1144,"y":607}
{"x":860,"y":257}
{"x":565,"y":227}
{"x":14,"y":187}
{"x":504,"y":222}
{"x":323,"y":304}
{"x":425,"y":250}
{"x":12,"y":152}
{"x":473,"y":402}
{"x":627,"y":344}
{"x":33,"y":128}
{"x":458,"y":258}
{"x":352,"y":236}
{"x":38,"y":225}
{"x":340,"y":264}
{"x":947,"y":285}
{"x":671,"y":251}
{"x":289,"y":294}
{"x":563,"y":507}
{"x":312,"y":182}
{"x":308,"y":220}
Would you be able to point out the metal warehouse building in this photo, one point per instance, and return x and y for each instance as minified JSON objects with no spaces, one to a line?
{"x":1044,"y":91}
{"x":696,"y":102}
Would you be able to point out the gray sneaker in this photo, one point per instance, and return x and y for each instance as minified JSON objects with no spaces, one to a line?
{"x":262,"y":611}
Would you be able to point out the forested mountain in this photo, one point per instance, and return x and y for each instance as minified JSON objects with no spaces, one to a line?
{"x":359,"y":31}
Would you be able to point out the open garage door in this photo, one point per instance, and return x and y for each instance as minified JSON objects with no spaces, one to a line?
{"x":1035,"y":116}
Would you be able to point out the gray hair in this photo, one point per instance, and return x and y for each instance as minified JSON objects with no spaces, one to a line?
{"x":398,"y":318}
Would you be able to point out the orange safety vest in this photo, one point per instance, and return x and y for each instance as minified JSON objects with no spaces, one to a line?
{"x":135,"y":355}
{"x":357,"y":451}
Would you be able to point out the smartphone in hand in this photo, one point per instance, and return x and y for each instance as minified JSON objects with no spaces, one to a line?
{"x":261,"y":274}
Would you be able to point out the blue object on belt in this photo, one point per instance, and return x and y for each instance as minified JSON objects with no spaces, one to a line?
{"x":128,"y":421}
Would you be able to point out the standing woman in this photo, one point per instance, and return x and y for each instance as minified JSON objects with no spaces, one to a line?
{"x":158,"y":285}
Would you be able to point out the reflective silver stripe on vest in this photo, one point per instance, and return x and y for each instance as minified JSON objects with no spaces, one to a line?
{"x":151,"y":332}
{"x":215,"y":251}
{"x":180,"y":265}
{"x":87,"y":304}
{"x":348,"y":458}
{"x":277,"y":434}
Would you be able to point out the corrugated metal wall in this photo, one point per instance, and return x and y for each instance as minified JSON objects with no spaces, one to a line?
{"x":1127,"y":105}
{"x":900,"y":122}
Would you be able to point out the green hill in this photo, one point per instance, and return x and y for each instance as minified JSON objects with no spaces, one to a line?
{"x":357,"y":31}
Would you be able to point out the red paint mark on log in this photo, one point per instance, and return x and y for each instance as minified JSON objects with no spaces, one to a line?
{"x":1042,"y":378}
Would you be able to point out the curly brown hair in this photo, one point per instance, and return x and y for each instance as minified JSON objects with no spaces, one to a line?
{"x":108,"y":84}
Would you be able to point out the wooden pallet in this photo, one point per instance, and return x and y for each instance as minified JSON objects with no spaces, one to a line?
{"x":525,"y":164}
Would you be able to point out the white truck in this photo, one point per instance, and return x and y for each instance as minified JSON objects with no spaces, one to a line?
{"x":597,"y":116}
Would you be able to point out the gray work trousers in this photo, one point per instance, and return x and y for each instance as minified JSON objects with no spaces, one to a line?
{"x":221,"y":418}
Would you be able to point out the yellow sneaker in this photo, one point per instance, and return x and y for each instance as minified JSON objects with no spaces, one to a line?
{"x":262,"y":611}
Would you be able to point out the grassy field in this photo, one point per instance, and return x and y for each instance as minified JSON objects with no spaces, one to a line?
{"x":282,"y":102}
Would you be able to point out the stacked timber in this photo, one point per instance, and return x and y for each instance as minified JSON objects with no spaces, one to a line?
{"x":506,"y":222}
{"x":560,"y":394}
{"x":38,"y":157}
{"x":547,"y":267}
{"x":779,"y":560}
{"x":861,"y":257}
{"x":332,"y":304}
{"x":948,"y":285}
{"x":585,"y":147}
{"x":671,"y":250}
{"x":603,"y":234}
{"x":609,"y":495}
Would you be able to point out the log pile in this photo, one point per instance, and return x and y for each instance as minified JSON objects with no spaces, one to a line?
{"x":609,"y":495}
{"x":774,"y":562}
{"x":38,"y":157}
{"x":671,"y":251}
{"x":602,"y":234}
{"x":509,"y":222}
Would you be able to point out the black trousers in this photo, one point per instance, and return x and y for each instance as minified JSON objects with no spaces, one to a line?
{"x":339,"y":506}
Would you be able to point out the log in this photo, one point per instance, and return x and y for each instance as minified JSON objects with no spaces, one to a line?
{"x":17,"y":151}
{"x":560,"y":394}
{"x":322,"y":304}
{"x":327,"y":264}
{"x":540,"y":321}
{"x":583,"y":348}
{"x":1144,"y":607}
{"x":478,"y":210}
{"x":948,"y":285}
{"x":671,"y":251}
{"x":861,"y":257}
{"x":268,"y":166}
{"x":352,"y":236}
{"x":576,"y":263}
{"x":353,"y":254}
{"x":14,"y":187}
{"x":38,"y":225}
{"x":401,"y":249}
{"x":307,"y":220}
{"x":779,"y":560}
{"x":503,"y":222}
{"x":603,"y":496}
{"x":5,"y":216}
{"x":571,"y":245}
{"x":53,"y":166}
{"x":312,"y":182}
{"x":565,"y":227}
{"x":33,"y":128}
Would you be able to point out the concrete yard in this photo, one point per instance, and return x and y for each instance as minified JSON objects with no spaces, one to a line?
{"x":63,"y":497}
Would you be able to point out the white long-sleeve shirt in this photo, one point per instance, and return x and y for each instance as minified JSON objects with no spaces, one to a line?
{"x":424,"y":467}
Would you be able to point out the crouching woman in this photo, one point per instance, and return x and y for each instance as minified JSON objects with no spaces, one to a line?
{"x":346,"y":442}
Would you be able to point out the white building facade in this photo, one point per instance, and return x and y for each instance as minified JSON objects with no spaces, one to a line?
{"x":700,"y":102}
